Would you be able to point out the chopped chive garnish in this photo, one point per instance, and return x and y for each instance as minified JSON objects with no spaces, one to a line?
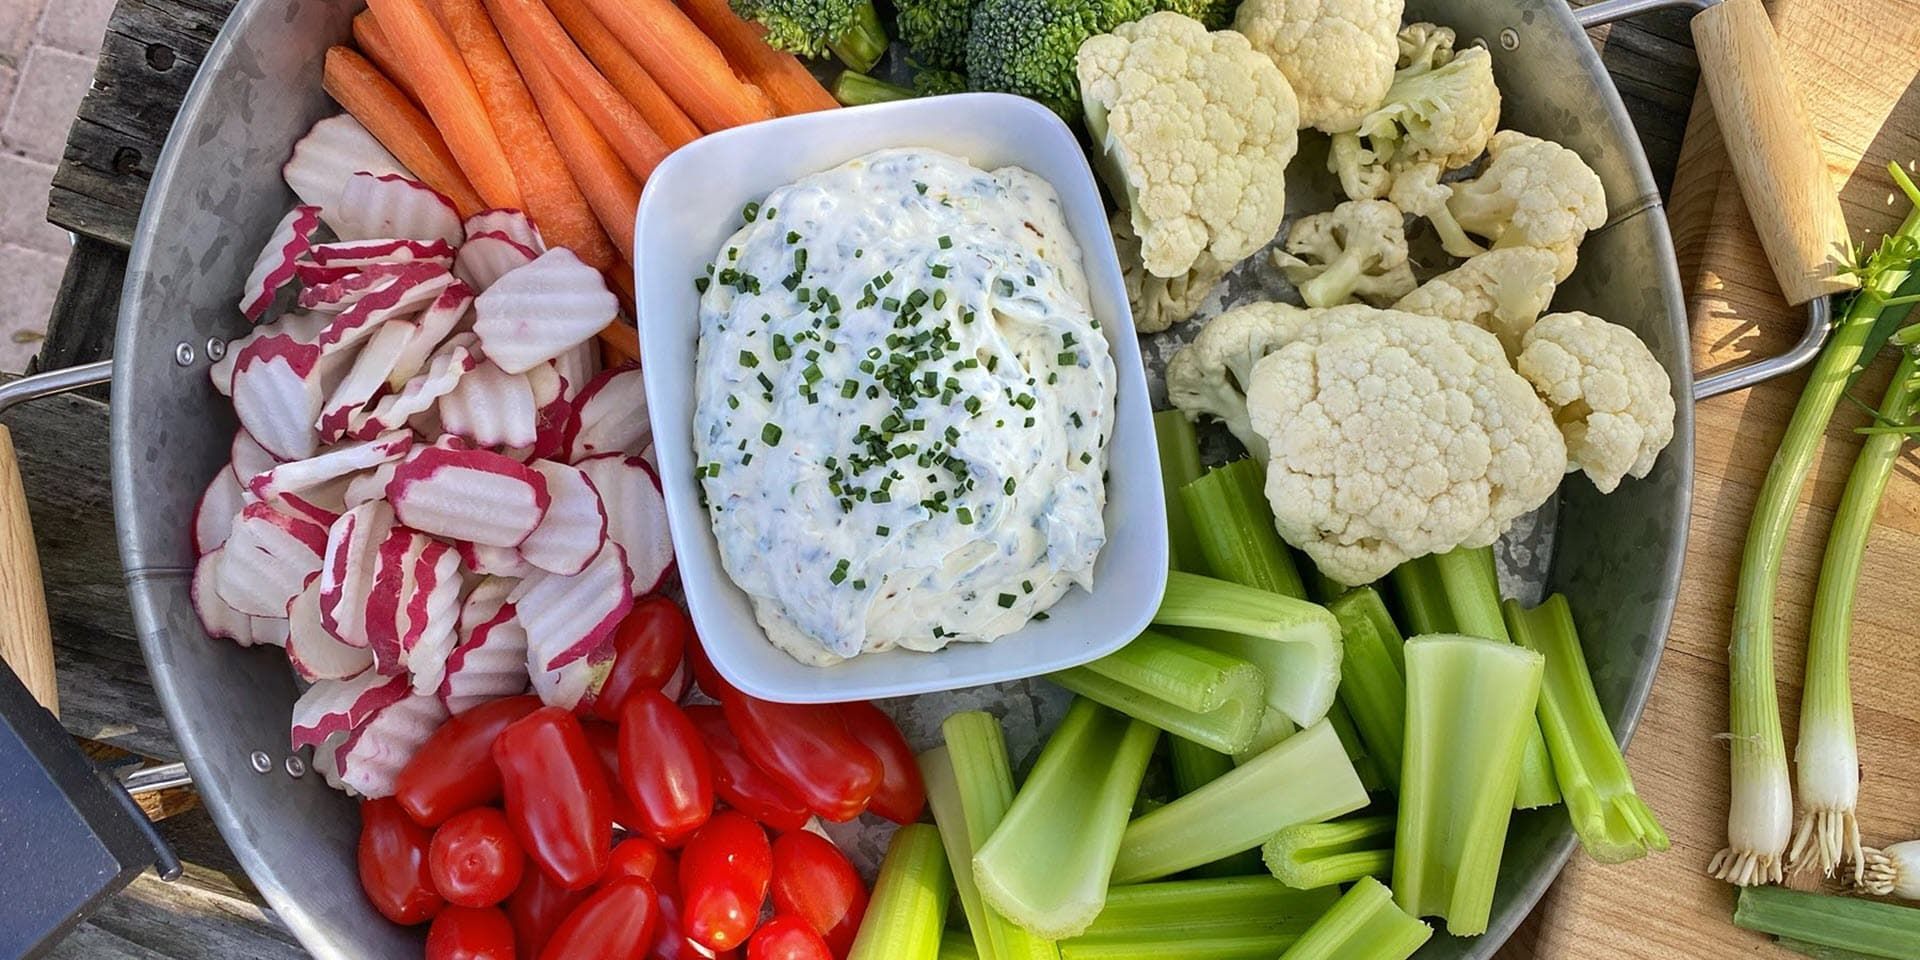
{"x":1026,"y":586}
{"x":1008,"y":600}
{"x":964,"y":515}
{"x":749,"y":359}
{"x":750,"y":212}
{"x":1067,"y":358}
{"x":882,"y":530}
{"x":765,"y":384}
{"x":770,"y":434}
{"x":700,"y":284}
{"x":1008,"y":486}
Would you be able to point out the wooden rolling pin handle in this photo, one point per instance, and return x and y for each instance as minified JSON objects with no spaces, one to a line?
{"x":26,"y":642}
{"x":1775,"y":152}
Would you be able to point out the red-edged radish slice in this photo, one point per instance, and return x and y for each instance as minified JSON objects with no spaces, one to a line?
{"x":271,"y":631}
{"x":304,"y":327}
{"x":576,"y":684}
{"x":432,"y":327}
{"x":371,"y":757}
{"x":513,"y":223}
{"x":431,"y":613}
{"x":216,"y":614}
{"x":247,"y":458}
{"x":486,"y":257}
{"x":577,"y":367}
{"x":267,"y":559}
{"x":326,"y":762}
{"x":474,"y":495}
{"x":636,"y":515}
{"x":302,"y":476}
{"x":392,"y":205}
{"x":652,"y":459}
{"x":542,"y":310}
{"x":367,"y":486}
{"x":220,"y":504}
{"x":279,"y":385}
{"x":348,"y":568}
{"x":365,"y":381}
{"x":553,"y":413}
{"x":491,"y":659}
{"x":575,"y":528}
{"x":387,"y":597}
{"x":443,"y":373}
{"x":332,"y":707}
{"x":385,"y":251}
{"x":334,"y":150}
{"x":273,"y":269}
{"x":355,"y":284}
{"x":610,"y":416}
{"x":503,"y":562}
{"x":315,"y":653}
{"x":569,"y":618}
{"x":492,"y":408}
{"x":405,"y":294}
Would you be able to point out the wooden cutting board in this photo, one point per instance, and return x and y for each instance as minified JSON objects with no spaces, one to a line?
{"x":1855,"y":63}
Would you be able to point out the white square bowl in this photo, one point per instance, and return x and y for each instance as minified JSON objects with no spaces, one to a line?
{"x":692,"y":204}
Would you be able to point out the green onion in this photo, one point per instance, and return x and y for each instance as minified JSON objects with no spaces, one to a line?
{"x":1470,"y":704}
{"x":1306,"y":777}
{"x":909,"y":904}
{"x":1373,"y":685}
{"x":1244,"y":912}
{"x":1613,"y":823}
{"x":1195,"y":766}
{"x":1364,"y":925}
{"x":1046,"y":866}
{"x":1892,"y":872}
{"x":1309,"y":856}
{"x":1864,"y":927}
{"x":1234,"y":529}
{"x":1295,"y":643}
{"x":1183,"y":688}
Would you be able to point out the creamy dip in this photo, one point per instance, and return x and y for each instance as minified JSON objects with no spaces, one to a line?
{"x":903,"y":406}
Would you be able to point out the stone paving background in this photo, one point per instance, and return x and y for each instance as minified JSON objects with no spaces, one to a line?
{"x":47,"y":52}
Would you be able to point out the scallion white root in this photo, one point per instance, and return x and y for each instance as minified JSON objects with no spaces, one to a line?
{"x":1892,"y":872}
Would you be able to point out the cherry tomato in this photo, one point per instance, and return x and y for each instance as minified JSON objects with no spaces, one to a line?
{"x":537,"y":909}
{"x":468,"y":933}
{"x":615,"y":922}
{"x":814,"y":882}
{"x":637,"y":856}
{"x":786,"y":938}
{"x":724,"y":872}
{"x":902,"y":796}
{"x":454,"y":769}
{"x":664,"y":767}
{"x":809,"y":750}
{"x":743,"y":786}
{"x":475,"y":858}
{"x":670,"y":942}
{"x":604,"y":737}
{"x":705,"y":676}
{"x":557,"y":795}
{"x":648,"y":647}
{"x":393,"y":863}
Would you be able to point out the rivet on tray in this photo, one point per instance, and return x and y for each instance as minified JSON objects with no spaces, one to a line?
{"x":261,"y":762}
{"x":296,"y":767}
{"x":216,"y":349}
{"x":183,"y":353}
{"x":1509,"y":39}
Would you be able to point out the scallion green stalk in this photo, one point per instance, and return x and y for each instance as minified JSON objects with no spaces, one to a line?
{"x":1310,"y":856}
{"x":909,"y":905}
{"x":1234,"y":528}
{"x":1373,"y":685}
{"x":1864,"y":927}
{"x":1195,"y":766}
{"x":1364,"y":925}
{"x":1179,"y":466}
{"x":1296,"y":644}
{"x":1178,"y":911}
{"x":1184,"y":688}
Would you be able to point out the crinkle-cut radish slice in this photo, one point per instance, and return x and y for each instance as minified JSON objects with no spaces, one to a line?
{"x":610,"y":415}
{"x":432,"y":611}
{"x":301,"y":326}
{"x":373,"y":754}
{"x":402,"y":296}
{"x":541,"y":310}
{"x":552,"y":413}
{"x":279,"y":386}
{"x":652,"y":458}
{"x":247,"y":458}
{"x":503,"y":562}
{"x":317,"y":506}
{"x":474,"y":495}
{"x":273,"y":269}
{"x":272,"y":631}
{"x":575,"y":528}
{"x":394,"y":205}
{"x":315,"y":653}
{"x":492,"y":408}
{"x":348,"y":568}
{"x":513,"y":223}
{"x":577,"y":367}
{"x":387,"y":597}
{"x":490,"y":660}
{"x":334,"y":150}
{"x":386,"y":251}
{"x":304,"y":475}
{"x":366,"y":380}
{"x":220,"y":504}
{"x":267,"y":559}
{"x":367,"y":486}
{"x":570,"y":617}
{"x":326,"y":763}
{"x":217,"y":615}
{"x":636,"y":515}
{"x":486,"y":257}
{"x":329,"y":297}
{"x":432,"y":328}
{"x":332,"y":707}
{"x":443,"y":373}
{"x":575,"y":685}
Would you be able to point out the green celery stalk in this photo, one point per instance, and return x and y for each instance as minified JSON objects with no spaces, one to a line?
{"x":1180,"y":911}
{"x":1046,"y":866}
{"x":1865,"y":927}
{"x":1195,"y":766}
{"x":1274,"y":727}
{"x":1179,"y":466}
{"x":1373,"y":684}
{"x":1234,"y":528}
{"x":1422,"y":599}
{"x":957,"y":945}
{"x":969,"y":788}
{"x":855,"y":89}
{"x":1613,"y":823}
{"x":909,"y":903}
{"x":1309,"y":856}
{"x":1306,"y":777}
{"x":1183,"y":688}
{"x":1356,"y":748}
{"x":1262,"y":947}
{"x":1470,"y":703}
{"x":1364,"y":925}
{"x":1296,"y":644}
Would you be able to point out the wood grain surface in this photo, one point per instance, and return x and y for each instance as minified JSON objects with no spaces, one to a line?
{"x":26,"y":642}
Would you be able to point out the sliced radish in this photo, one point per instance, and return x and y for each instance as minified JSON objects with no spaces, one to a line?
{"x":553,"y":412}
{"x":333,"y":151}
{"x":347,"y":571}
{"x":433,"y":326}
{"x":267,"y":559}
{"x":302,"y":476}
{"x":492,"y":408}
{"x":332,"y":707}
{"x":373,"y":754}
{"x":393,"y":205}
{"x":216,"y":614}
{"x":271,"y":631}
{"x":247,"y":458}
{"x":326,"y":762}
{"x":403,"y":294}
{"x":279,"y":385}
{"x":570,"y":617}
{"x":636,"y":515}
{"x":610,"y":416}
{"x":486,"y":257}
{"x":575,"y":527}
{"x":367,"y":486}
{"x":304,"y":327}
{"x":502,"y":562}
{"x":513,"y":223}
{"x":491,"y":659}
{"x":542,"y":310}
{"x":577,"y":367}
{"x":443,"y":373}
{"x":365,"y":381}
{"x":315,"y":653}
{"x":471,"y":495}
{"x":432,"y":611}
{"x":351,"y":284}
{"x":387,"y":597}
{"x":213,"y":516}
{"x":273,"y":269}
{"x":575,"y":684}
{"x":652,"y":459}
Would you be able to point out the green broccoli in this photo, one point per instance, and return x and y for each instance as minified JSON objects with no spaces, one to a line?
{"x":933,"y":83}
{"x":1028,"y":46}
{"x":935,"y":31}
{"x":850,"y":29}
{"x":1213,"y":14}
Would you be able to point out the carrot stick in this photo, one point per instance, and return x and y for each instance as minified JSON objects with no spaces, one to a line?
{"x":785,"y":80}
{"x":427,"y":55}
{"x":610,"y":189}
{"x":530,"y":24}
{"x":393,"y":120}
{"x":688,"y":65}
{"x":373,"y":43}
{"x":554,"y":201}
{"x":625,"y":73}
{"x":619,"y":344}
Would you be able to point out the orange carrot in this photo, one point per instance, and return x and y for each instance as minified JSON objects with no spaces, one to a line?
{"x":554,"y":201}
{"x":611,"y":191}
{"x":529,"y":24}
{"x":427,"y":55}
{"x":625,"y":73}
{"x":393,"y":120}
{"x":373,"y":42}
{"x":688,"y":65}
{"x":785,"y":80}
{"x":619,"y":344}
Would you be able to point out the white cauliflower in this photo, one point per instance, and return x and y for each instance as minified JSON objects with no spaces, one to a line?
{"x":1534,"y":193}
{"x":1357,"y":249}
{"x":1424,"y":46}
{"x":1501,"y":291}
{"x":1611,"y":398}
{"x":1337,"y":54}
{"x":1432,"y":115}
{"x":1195,"y":130}
{"x":1161,"y":302}
{"x":1209,"y":376}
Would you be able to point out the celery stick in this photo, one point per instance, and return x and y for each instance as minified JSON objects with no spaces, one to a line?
{"x":1613,"y":823}
{"x":909,"y":903}
{"x":1470,"y":703}
{"x":1363,"y":761}
{"x":1179,"y":466}
{"x":1046,"y":866}
{"x":1274,"y":727}
{"x":1866,"y":927}
{"x":1195,"y":766}
{"x":1307,"y":777}
{"x":1421,"y":599}
{"x":957,"y":945}
{"x":1183,"y":688}
{"x":1296,"y":644}
{"x":1235,"y":531}
{"x":1373,"y":684}
{"x":1308,"y":856}
{"x":1364,"y":925}
{"x":1263,"y":947}
{"x":1179,"y":911}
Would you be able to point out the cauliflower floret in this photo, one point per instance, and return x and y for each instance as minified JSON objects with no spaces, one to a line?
{"x":1440,"y":115}
{"x":1424,"y":46}
{"x":1394,"y":435}
{"x":1611,"y":398}
{"x":1161,"y":302}
{"x":1209,"y":376}
{"x":1501,"y":291}
{"x":1534,"y":193}
{"x":1357,"y":249}
{"x":1337,"y":54}
{"x":1196,"y":130}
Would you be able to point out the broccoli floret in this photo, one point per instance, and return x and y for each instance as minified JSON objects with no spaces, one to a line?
{"x":935,"y":31}
{"x":1213,"y":14}
{"x":1028,"y":47}
{"x":849,"y":29}
{"x":933,"y":83}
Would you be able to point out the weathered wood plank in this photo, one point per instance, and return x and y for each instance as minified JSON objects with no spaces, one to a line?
{"x":200,"y":915}
{"x":86,"y":310}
